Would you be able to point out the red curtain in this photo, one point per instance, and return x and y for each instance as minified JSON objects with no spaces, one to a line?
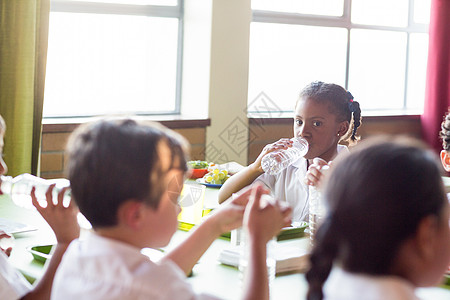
{"x":437,"y":94}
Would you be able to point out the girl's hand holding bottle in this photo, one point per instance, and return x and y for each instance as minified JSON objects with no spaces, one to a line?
{"x":314,"y":173}
{"x":282,"y":143}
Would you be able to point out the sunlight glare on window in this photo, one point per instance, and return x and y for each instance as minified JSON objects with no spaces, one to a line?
{"x":422,"y":11}
{"x":377,"y":68}
{"x":103,"y":64}
{"x":285,"y":58}
{"x":417,"y":70}
{"x":316,"y":7}
{"x":135,"y":2}
{"x":380,"y":12}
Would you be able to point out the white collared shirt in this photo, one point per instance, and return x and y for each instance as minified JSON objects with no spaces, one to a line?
{"x":289,"y":185}
{"x":102,"y":268}
{"x":343,"y":285}
{"x":12,"y":284}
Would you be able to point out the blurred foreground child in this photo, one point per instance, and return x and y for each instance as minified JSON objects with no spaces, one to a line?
{"x":63,"y":221}
{"x":387,"y":230}
{"x":126,"y":178}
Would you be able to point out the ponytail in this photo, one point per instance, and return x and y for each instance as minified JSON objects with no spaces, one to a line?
{"x":354,"y":108}
{"x":321,"y":260}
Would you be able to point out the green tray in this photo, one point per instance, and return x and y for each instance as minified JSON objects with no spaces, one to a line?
{"x":286,"y":233}
{"x":40,"y":253}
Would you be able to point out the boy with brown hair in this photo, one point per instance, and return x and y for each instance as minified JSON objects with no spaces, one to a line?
{"x":126,"y":178}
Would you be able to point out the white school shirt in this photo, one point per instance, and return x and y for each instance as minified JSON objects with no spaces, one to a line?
{"x":102,"y":268}
{"x":343,"y":285}
{"x":289,"y":185}
{"x":12,"y":284}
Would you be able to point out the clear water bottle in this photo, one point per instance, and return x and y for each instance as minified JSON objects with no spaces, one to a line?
{"x":20,"y":186}
{"x":245,"y":253}
{"x":317,"y":208}
{"x":276,"y":161}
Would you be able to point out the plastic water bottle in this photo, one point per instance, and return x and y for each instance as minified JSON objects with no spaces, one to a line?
{"x":19,"y":188}
{"x":276,"y":161}
{"x":244,"y":258}
{"x":317,"y":208}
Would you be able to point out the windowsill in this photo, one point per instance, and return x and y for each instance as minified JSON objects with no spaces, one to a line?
{"x":171,"y":121}
{"x":183,"y":121}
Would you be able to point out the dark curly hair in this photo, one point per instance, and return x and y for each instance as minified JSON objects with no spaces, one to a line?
{"x":341,"y":103}
{"x":444,"y":134}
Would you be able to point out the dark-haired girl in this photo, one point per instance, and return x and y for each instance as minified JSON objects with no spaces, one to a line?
{"x":444,"y":134}
{"x":325,"y":115}
{"x":387,"y":229}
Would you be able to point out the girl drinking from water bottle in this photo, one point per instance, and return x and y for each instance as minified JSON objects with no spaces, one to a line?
{"x":325,"y":115}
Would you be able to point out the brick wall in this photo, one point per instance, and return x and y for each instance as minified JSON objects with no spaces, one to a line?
{"x":54,"y":141}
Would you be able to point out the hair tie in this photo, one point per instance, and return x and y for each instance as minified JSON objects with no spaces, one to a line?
{"x":350,"y":96}
{"x":350,"y":102}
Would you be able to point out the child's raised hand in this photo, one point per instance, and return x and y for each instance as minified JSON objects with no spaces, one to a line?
{"x":265,"y":219}
{"x":282,"y":143}
{"x":63,"y":220}
{"x":314,"y":173}
{"x":4,"y":235}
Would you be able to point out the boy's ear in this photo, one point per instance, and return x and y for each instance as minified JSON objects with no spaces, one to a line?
{"x":131,"y":214}
{"x":426,"y":238}
{"x":445,"y":159}
{"x":343,"y":128}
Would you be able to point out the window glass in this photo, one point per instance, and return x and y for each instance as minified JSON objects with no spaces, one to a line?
{"x":380,"y":12}
{"x":318,"y":7}
{"x":104,"y":64}
{"x":422,"y":11}
{"x":138,"y":2}
{"x":285,"y":58}
{"x":417,"y":70}
{"x":377,"y":68}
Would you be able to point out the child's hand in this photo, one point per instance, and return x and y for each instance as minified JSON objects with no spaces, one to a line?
{"x":265,"y":219}
{"x":283,"y":143}
{"x":8,"y":250}
{"x":314,"y":173}
{"x":63,"y":220}
{"x":230,"y":214}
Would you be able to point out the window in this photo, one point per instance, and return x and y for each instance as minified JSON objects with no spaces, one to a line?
{"x":377,"y":49}
{"x":113,"y":57}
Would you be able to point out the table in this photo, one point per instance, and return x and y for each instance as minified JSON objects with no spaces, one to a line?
{"x":208,"y":274}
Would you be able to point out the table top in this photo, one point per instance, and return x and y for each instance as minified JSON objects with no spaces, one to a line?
{"x":208,"y":274}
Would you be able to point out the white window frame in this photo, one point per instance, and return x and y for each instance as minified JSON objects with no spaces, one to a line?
{"x":177,"y":11}
{"x":344,"y":21}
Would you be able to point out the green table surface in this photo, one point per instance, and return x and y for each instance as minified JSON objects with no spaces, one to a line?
{"x":208,"y":274}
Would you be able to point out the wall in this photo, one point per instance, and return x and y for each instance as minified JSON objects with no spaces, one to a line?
{"x":228,"y":87}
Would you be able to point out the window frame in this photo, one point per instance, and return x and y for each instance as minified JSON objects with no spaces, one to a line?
{"x":344,"y":21}
{"x":176,"y":11}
